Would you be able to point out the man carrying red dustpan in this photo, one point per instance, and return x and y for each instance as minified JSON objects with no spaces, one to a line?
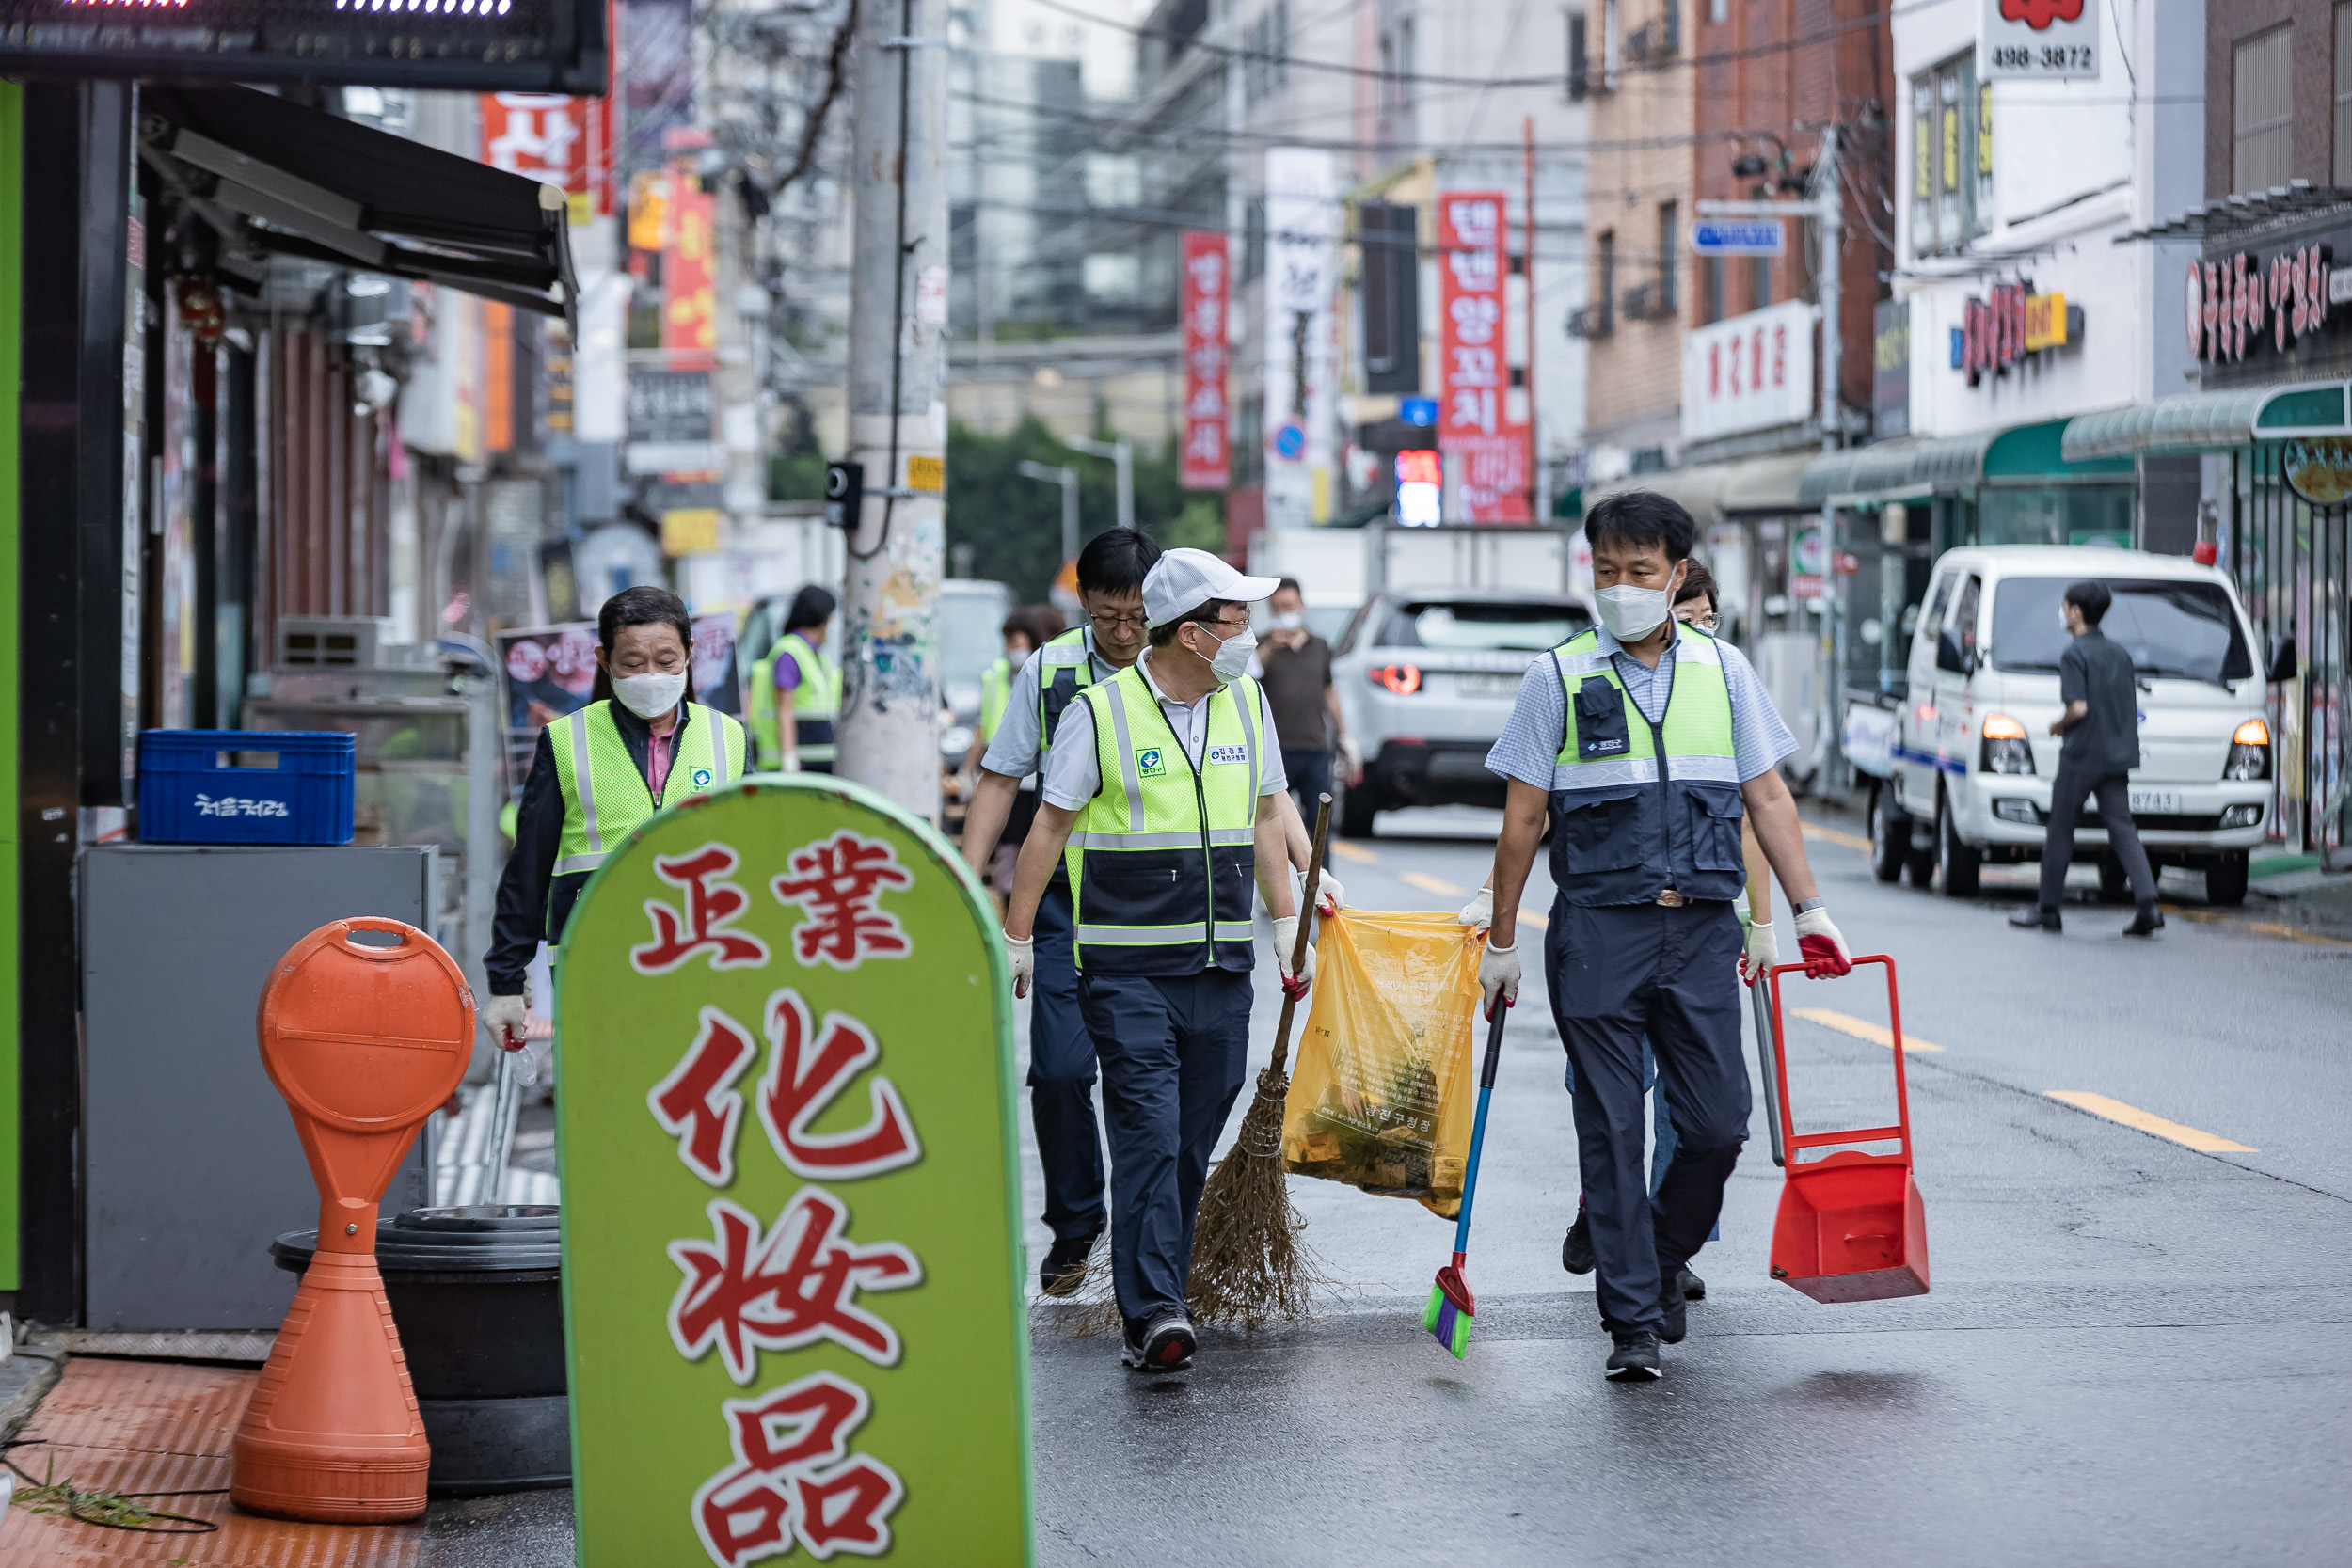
{"x":1639,"y":743}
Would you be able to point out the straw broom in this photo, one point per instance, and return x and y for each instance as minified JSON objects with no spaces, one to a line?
{"x":1249,"y":1266}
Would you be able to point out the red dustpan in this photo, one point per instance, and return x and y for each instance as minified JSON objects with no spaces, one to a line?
{"x":1851,"y":1227}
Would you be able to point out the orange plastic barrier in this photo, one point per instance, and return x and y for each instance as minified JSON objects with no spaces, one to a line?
{"x":364,"y":1042}
{"x":1851,"y":1225}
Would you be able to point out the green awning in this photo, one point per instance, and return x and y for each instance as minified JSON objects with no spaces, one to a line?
{"x":1912,"y":466}
{"x":2210,"y":421}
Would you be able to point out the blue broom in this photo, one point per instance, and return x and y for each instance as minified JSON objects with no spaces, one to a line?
{"x":1451,"y":1305}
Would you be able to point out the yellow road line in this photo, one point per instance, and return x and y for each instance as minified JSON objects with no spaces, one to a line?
{"x":2259,"y":928}
{"x":1428,"y":883}
{"x":1835,"y":835}
{"x":1348,"y":851}
{"x":2131,"y":1115}
{"x":1861,"y":1029}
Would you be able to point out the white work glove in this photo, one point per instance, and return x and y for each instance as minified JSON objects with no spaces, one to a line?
{"x":1499,"y":976}
{"x":1822,"y":948}
{"x":1479,"y":912}
{"x":1762,"y":952}
{"x":1022,"y":953}
{"x":1330,"y":899}
{"x":504,"y":1017}
{"x":1285,"y":944}
{"x":789,"y":764}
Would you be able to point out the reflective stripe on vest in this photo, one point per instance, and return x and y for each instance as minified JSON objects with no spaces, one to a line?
{"x":1161,"y":860}
{"x":606,"y":797}
{"x":1065,"y":668}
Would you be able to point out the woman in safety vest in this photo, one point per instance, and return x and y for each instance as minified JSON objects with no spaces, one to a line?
{"x":598,"y":774}
{"x":807,"y":688}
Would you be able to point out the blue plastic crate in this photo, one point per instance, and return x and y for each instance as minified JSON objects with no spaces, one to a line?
{"x":246,"y":786}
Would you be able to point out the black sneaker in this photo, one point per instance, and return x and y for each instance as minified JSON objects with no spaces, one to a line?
{"x":1694,"y":1288}
{"x":1065,"y":1266}
{"x":1635,"y":1359}
{"x":1674,"y":1319}
{"x":1164,"y":1344}
{"x":1576,"y":1252}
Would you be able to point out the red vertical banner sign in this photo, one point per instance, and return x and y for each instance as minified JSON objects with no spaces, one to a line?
{"x":551,"y":137}
{"x":689,"y":307}
{"x":1474,"y":376}
{"x":1204,"y":462}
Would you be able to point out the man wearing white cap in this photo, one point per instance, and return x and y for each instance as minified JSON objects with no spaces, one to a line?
{"x":1163,"y":791}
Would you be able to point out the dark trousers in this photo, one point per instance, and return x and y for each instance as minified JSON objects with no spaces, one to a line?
{"x":1621,"y":977}
{"x":1173,"y":1050}
{"x":1311,"y":775}
{"x":1062,"y":1078}
{"x":2067,"y":792}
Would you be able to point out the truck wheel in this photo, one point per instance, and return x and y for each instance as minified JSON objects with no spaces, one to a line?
{"x":1890,"y":834}
{"x":2225,"y":879}
{"x":1356,"y":811}
{"x":1958,"y":863}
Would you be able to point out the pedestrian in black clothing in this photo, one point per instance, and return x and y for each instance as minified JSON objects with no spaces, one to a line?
{"x":2100,"y":725}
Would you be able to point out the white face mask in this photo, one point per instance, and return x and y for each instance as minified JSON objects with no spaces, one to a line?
{"x":651,"y":696}
{"x":1290,"y":620}
{"x":1628,"y":614}
{"x":1231,"y":660}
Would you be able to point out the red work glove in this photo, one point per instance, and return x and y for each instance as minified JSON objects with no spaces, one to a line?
{"x":1825,"y":951}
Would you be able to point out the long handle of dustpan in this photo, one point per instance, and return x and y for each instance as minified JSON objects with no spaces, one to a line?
{"x":1478,"y":1124}
{"x":1901,"y":1130}
{"x":1767,"y":1039}
{"x":1306,"y":927}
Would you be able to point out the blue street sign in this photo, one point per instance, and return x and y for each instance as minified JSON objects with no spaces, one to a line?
{"x":1417,"y":410}
{"x":1290,"y":440}
{"x":1721,"y":237}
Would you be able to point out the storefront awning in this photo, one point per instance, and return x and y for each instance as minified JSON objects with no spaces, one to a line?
{"x":1765,"y":485}
{"x":1912,"y":466}
{"x":270,"y":175}
{"x":1696,"y":488}
{"x":2210,"y":421}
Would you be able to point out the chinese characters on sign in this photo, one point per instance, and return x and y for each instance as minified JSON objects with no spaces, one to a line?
{"x":1203,"y":463}
{"x":1474,"y":404}
{"x":779,"y":1011}
{"x":1752,"y":371}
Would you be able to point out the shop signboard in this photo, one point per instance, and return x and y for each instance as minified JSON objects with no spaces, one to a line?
{"x":1753,"y":372}
{"x":2038,"y":40}
{"x":554,"y":138}
{"x":1890,"y":373}
{"x":1474,"y":402}
{"x":539,"y":46}
{"x":690,"y":321}
{"x":792,"y":1232}
{"x":1997,"y":334}
{"x":1203,"y":463}
{"x":2318,"y":469}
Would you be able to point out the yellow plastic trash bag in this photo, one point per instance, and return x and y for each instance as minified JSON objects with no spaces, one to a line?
{"x":1386,"y":1086}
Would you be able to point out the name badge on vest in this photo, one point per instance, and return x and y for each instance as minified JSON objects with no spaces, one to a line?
{"x":1229,"y":753}
{"x":1147,"y":764}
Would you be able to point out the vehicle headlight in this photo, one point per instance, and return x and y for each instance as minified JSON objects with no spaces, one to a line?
{"x":2006,"y":749}
{"x":2249,"y":752}
{"x":2016,"y":811}
{"x":2247,"y":816}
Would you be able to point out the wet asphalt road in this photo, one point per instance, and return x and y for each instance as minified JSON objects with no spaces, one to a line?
{"x":2135,"y":1352}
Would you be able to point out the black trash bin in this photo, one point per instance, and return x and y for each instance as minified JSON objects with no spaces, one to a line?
{"x":477,"y":1296}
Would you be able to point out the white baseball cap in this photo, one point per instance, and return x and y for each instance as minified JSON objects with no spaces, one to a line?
{"x":1183,"y":580}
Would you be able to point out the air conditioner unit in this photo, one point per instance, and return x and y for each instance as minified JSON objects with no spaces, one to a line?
{"x":337,"y":642}
{"x":1645,"y":302}
{"x":1587,"y":322}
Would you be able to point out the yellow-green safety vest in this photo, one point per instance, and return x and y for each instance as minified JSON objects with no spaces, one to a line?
{"x":1625,"y":827}
{"x":995,"y":690}
{"x":606,"y":797}
{"x":815,"y":700}
{"x":1065,"y":667}
{"x":1162,"y":860}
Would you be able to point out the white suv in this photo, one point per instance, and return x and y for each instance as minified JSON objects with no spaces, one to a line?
{"x":1974,"y":756}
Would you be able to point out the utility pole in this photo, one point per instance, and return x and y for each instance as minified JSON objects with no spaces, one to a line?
{"x":1826,"y":208}
{"x":898,"y":416}
{"x":1068,"y":480}
{"x":1123,"y":455}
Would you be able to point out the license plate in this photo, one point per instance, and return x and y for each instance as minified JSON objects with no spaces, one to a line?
{"x":2154,"y":802}
{"x":1473,"y":684}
